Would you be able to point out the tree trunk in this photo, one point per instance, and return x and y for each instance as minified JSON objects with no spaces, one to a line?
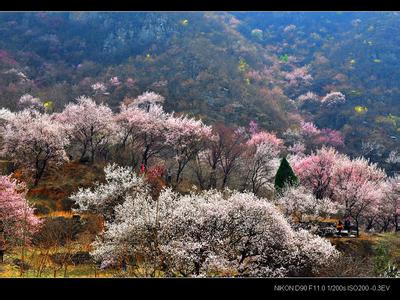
{"x":213,"y":179}
{"x":357,"y":228}
{"x":224,"y":180}
{"x":145,"y":156}
{"x":39,"y":171}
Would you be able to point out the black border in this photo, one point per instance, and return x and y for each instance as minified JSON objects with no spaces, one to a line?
{"x":199,"y":5}
{"x":199,"y":287}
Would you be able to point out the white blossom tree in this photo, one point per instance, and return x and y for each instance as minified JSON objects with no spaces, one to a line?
{"x":35,"y":141}
{"x":208,"y":234}
{"x":297,"y":202}
{"x":260,"y":162}
{"x":103,"y":198}
{"x":90,"y":126}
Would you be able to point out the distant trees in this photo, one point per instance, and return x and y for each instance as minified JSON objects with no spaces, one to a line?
{"x":333,"y":98}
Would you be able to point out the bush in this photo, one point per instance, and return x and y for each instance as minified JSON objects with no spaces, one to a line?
{"x":41,"y":209}
{"x":56,"y":231}
{"x":67,"y":204}
{"x":81,"y":257}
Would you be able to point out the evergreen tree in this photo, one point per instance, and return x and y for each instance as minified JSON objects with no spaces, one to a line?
{"x":285,"y":175}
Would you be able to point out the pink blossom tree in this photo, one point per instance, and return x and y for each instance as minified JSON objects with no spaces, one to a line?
{"x":309,"y":129}
{"x":265,"y":137}
{"x":185,"y":137}
{"x":316,"y":170}
{"x":35,"y":142}
{"x":330,"y":137}
{"x":89,"y":126}
{"x":316,"y":137}
{"x":17,"y":220}
{"x":358,"y":186}
{"x":143,"y":131}
{"x":393,"y":200}
{"x":221,"y":156}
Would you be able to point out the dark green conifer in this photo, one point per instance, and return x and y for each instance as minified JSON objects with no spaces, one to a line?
{"x":285,"y":175}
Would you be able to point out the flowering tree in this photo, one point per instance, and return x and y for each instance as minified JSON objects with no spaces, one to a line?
{"x":333,"y":98}
{"x":382,"y":214}
{"x":325,"y":136}
{"x":308,"y":97}
{"x":103,"y":198}
{"x":297,"y":202}
{"x":5,"y":117}
{"x":36,"y":142}
{"x":309,"y":129}
{"x":265,"y":137}
{"x":99,"y":87}
{"x":28,"y":101}
{"x":297,"y":149}
{"x":221,"y":156}
{"x":186,"y":137}
{"x":253,"y":127}
{"x":143,"y":130}
{"x":89,"y":126}
{"x":330,"y":137}
{"x":260,"y":162}
{"x":358,"y":186}
{"x":17,"y":220}
{"x":392,"y":198}
{"x":233,"y":147}
{"x":316,"y":170}
{"x":203,"y":235}
{"x":146,"y":100}
{"x":115,"y":81}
